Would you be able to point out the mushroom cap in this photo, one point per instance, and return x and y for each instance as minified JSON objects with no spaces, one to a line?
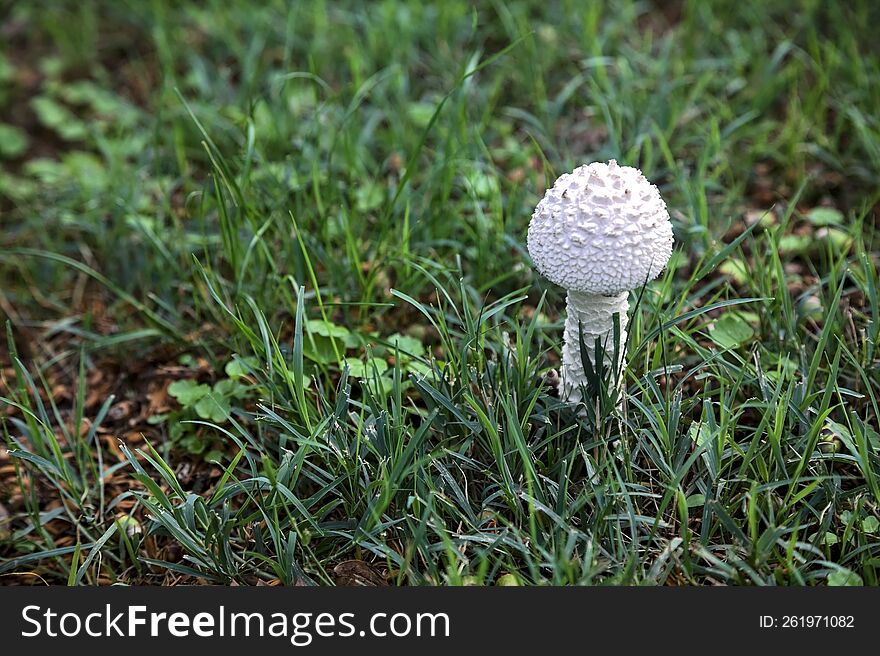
{"x":601,"y":229}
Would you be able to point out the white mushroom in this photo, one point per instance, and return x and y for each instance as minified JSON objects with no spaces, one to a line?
{"x":601,"y":231}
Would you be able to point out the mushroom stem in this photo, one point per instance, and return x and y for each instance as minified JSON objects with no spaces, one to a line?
{"x":591,"y":317}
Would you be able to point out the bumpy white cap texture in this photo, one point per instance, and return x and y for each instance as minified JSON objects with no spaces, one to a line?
{"x":601,"y":229}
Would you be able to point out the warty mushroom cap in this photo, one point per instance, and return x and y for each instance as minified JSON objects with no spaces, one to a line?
{"x":601,"y":229}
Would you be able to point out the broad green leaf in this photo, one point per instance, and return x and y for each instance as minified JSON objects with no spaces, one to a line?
{"x":839,"y":238}
{"x":13,"y":141}
{"x":320,"y":349}
{"x":7,"y":70}
{"x":239,"y":367}
{"x":825,"y":216}
{"x":736,"y":269}
{"x":105,"y":103}
{"x":484,"y":184}
{"x":369,"y":196}
{"x":17,"y":187}
{"x":410,"y":347}
{"x":304,"y":381}
{"x":59,"y":118}
{"x":421,"y":113}
{"x":844,"y":577}
{"x":795,"y":243}
{"x":731,"y":330}
{"x":381,"y":385}
{"x":192,"y":443}
{"x":326,"y":328}
{"x":318,"y":343}
{"x":699,"y":432}
{"x":870,"y":524}
{"x":229,"y":387}
{"x":361,"y":369}
{"x":696,"y":501}
{"x":188,"y":392}
{"x":507,"y":580}
{"x":419,"y":367}
{"x":213,"y":408}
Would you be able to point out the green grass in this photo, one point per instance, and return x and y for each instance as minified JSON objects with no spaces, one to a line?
{"x":293,"y":238}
